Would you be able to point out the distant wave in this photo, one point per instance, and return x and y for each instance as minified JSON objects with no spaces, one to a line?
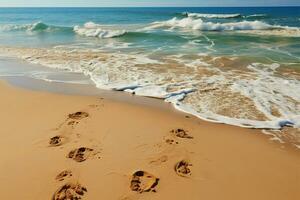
{"x":199,"y":24}
{"x":39,"y":26}
{"x":220,"y":16}
{"x":247,"y":27}
{"x":34,"y":27}
{"x":90,"y":29}
{"x":256,"y":16}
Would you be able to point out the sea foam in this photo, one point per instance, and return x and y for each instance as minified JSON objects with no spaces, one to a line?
{"x":199,"y":24}
{"x":246,"y":27}
{"x":218,"y":16}
{"x":223,"y":16}
{"x":208,"y":92}
{"x":91,"y":29}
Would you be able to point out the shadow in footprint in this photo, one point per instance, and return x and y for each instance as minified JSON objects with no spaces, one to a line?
{"x":182,"y":168}
{"x":71,"y":120}
{"x":78,"y":115}
{"x":72,"y":123}
{"x":56,"y":141}
{"x":63,"y":175}
{"x":181,"y":133}
{"x":80,"y":154}
{"x":69,"y":191}
{"x":143,"y":182}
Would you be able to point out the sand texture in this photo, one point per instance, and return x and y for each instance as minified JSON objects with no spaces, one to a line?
{"x":61,"y":147}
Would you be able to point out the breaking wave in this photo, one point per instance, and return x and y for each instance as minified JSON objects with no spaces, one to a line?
{"x":246,"y":27}
{"x":34,"y":27}
{"x":91,"y":29}
{"x":256,"y":16}
{"x":223,"y":16}
{"x":217,"y":16}
{"x":199,"y":24}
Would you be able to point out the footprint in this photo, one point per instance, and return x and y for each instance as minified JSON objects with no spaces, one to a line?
{"x":63,"y":175}
{"x":182,"y":168}
{"x":78,"y":115}
{"x":56,"y":141}
{"x":69,"y":191}
{"x":181,"y":133}
{"x":171,"y":141}
{"x":71,"y":120}
{"x":160,"y":160}
{"x":80,"y":154}
{"x":143,"y":182}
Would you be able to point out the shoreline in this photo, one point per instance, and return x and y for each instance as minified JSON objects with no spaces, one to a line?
{"x":230,"y":101}
{"x":122,"y":138}
{"x":66,"y":88}
{"x":285,"y":135}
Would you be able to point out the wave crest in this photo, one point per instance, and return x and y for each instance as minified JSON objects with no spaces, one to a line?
{"x":256,"y":16}
{"x":198,"y":24}
{"x":34,"y":27}
{"x":218,"y":16}
{"x":90,"y":29}
{"x":39,"y":26}
{"x":222,"y":16}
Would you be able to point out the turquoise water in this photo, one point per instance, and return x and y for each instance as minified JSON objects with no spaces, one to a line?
{"x":230,"y":65}
{"x":39,"y":27}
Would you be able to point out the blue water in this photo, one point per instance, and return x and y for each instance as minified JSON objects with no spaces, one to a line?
{"x":72,"y":16}
{"x":232,"y":54}
{"x":69,"y":17}
{"x":62,"y":21}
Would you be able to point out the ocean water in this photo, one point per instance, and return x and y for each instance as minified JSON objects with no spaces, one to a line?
{"x":239,"y":66}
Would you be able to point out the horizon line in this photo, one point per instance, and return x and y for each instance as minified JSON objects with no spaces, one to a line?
{"x":148,"y":6}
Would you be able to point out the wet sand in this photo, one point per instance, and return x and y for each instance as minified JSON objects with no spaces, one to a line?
{"x":56,"y":146}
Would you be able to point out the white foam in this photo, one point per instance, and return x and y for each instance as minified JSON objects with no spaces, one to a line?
{"x":222,"y":16}
{"x":256,"y":16}
{"x":51,"y":77}
{"x":199,"y":24}
{"x":219,"y":16}
{"x":141,"y":75}
{"x":267,"y":91}
{"x":91,"y":29}
{"x":248,"y":27}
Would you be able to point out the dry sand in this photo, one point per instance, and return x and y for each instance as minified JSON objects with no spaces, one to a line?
{"x":130,"y":152}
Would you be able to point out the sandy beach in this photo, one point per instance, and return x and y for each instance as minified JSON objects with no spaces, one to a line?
{"x":56,"y":146}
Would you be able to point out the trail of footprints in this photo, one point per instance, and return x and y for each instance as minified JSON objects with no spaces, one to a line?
{"x":70,"y":190}
{"x":141,"y":181}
